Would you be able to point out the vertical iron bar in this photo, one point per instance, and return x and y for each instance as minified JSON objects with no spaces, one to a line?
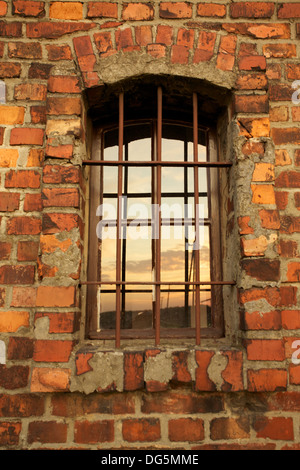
{"x":186,"y":236}
{"x":158,"y":218}
{"x":196,"y":208}
{"x":119,"y":220}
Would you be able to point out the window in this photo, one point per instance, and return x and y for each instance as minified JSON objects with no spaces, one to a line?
{"x":155,"y":261}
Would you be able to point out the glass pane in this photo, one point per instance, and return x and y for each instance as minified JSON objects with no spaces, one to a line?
{"x":173,"y":313}
{"x":137,"y":252}
{"x":205,"y":308}
{"x":202,"y":151}
{"x":107,"y":310}
{"x":138,"y":180}
{"x":172,"y":180}
{"x":138,"y":311}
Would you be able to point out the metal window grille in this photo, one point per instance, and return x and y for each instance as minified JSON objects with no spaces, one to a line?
{"x":121,"y":285}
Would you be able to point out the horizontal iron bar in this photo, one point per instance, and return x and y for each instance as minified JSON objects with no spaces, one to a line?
{"x":161,"y":283}
{"x":156,"y":163}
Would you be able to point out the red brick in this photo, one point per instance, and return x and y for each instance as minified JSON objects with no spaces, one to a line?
{"x":94,"y":432}
{"x":280,"y":92}
{"x":59,"y":52}
{"x":262,"y":269}
{"x":28,"y":8}
{"x":5,"y":250}
{"x":254,"y":62}
{"x":284,"y":136}
{"x":55,"y":29}
{"x":269,"y":219}
{"x":288,"y":249}
{"x":27,"y":250}
{"x":251,"y":104}
{"x":230,"y":428}
{"x":275,"y":428}
{"x":24,"y":226}
{"x":10,"y":70}
{"x":53,"y":223}
{"x":143,"y":35}
{"x":39,"y":70}
{"x":20,"y":348}
{"x":32,"y":202}
{"x":23,"y":297}
{"x":289,"y":10}
{"x":124,"y":38}
{"x":289,"y":224}
{"x":38,"y":114}
{"x":186,"y":429}
{"x":26,"y":136}
{"x":60,"y":197}
{"x":226,"y":58}
{"x":180,"y":367}
{"x":59,"y":151}
{"x":61,"y":322}
{"x":288,"y":179}
{"x":56,"y":174}
{"x":265,"y":350}
{"x":293,"y":71}
{"x":171,"y":10}
{"x":202,"y":380}
{"x":164,"y":35}
{"x":16,"y":274}
{"x":290,"y":319}
{"x":3,"y":8}
{"x":156,"y":50}
{"x":23,"y":50}
{"x":14,"y":377}
{"x":262,"y":321}
{"x":102,"y":10}
{"x":84,"y":51}
{"x":141,"y":430}
{"x":279,"y":50}
{"x":63,"y":84}
{"x":30,"y":91}
{"x":260,"y":30}
{"x":52,"y":350}
{"x":133,"y":371}
{"x":104,"y":43}
{"x":22,"y":179}
{"x":251,"y":10}
{"x":9,"y":433}
{"x":52,"y":296}
{"x":21,"y":405}
{"x":267,"y":380}
{"x":47,"y":432}
{"x":9,"y":202}
{"x":138,"y":12}
{"x":11,"y":30}
{"x":205,"y":47}
{"x":179,"y":54}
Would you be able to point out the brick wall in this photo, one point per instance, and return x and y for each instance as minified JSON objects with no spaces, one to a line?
{"x":58,"y":390}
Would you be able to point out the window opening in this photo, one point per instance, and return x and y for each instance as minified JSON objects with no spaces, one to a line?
{"x":155,"y":260}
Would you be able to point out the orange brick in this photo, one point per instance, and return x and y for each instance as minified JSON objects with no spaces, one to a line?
{"x":267,"y":380}
{"x":46,"y":379}
{"x":11,"y":115}
{"x":263,"y":194}
{"x":8,"y":158}
{"x":137,"y":12}
{"x":263,"y":172}
{"x":52,"y":296}
{"x":66,"y":10}
{"x":11,"y":321}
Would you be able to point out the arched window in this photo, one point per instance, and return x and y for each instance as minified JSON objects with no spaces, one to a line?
{"x":155,"y":261}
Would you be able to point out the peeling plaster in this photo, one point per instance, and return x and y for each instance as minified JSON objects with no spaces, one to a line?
{"x":2,"y":353}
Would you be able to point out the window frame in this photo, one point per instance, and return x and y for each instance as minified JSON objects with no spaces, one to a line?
{"x":157,"y":332}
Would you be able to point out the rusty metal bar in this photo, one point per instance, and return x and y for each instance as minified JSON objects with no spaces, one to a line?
{"x":158,"y":218}
{"x":157,"y":163}
{"x":119,"y":217}
{"x":197,"y":233}
{"x":161,"y":283}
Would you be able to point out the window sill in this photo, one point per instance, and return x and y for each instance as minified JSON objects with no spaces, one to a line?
{"x":214,"y":366}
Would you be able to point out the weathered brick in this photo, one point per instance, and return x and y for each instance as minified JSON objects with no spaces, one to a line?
{"x":57,"y":106}
{"x":102,"y":10}
{"x":52,"y":350}
{"x":138,"y":12}
{"x":275,"y":428}
{"x":211,"y":9}
{"x":47,"y":379}
{"x":20,"y":348}
{"x":186,"y":429}
{"x":9,"y":433}
{"x":21,"y":405}
{"x":23,"y":50}
{"x":9,"y":202}
{"x":14,"y":377}
{"x":93,"y":432}
{"x":22,"y":179}
{"x":10,"y":70}
{"x":171,"y":10}
{"x":47,"y":432}
{"x":289,"y":10}
{"x":251,"y":10}
{"x":60,"y":197}
{"x":141,"y":430}
{"x":61,"y":52}
{"x":28,"y":8}
{"x":52,"y":296}
{"x":27,"y":250}
{"x":11,"y":30}
{"x":23,"y":225}
{"x":30,"y":91}
{"x":66,"y":10}
{"x":54,"y":30}
{"x":230,"y":428}
{"x":16,"y":274}
{"x":251,"y":103}
{"x":265,"y":350}
{"x":205,"y":47}
{"x":5,"y":250}
{"x":262,"y":269}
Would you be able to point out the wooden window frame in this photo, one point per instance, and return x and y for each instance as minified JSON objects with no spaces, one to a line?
{"x":93,"y":284}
